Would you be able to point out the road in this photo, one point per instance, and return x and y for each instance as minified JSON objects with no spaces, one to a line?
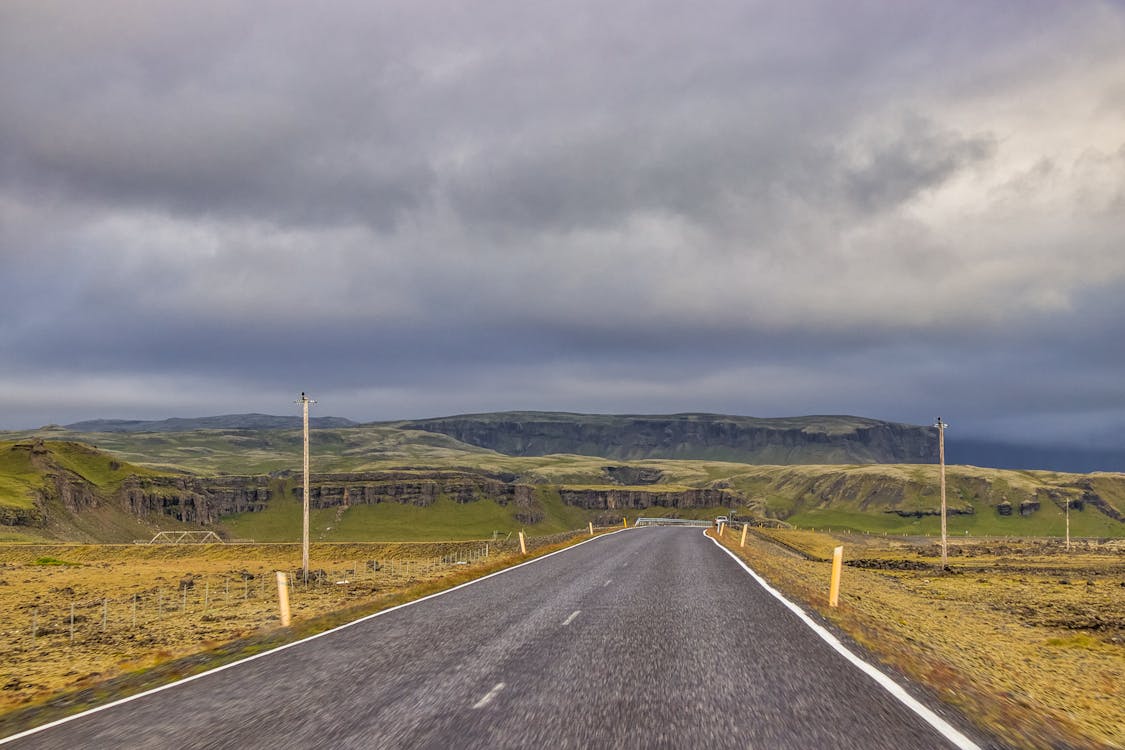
{"x":645,"y":638}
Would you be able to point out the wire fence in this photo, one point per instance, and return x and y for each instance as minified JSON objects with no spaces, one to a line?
{"x":235,"y":598}
{"x":203,"y":607}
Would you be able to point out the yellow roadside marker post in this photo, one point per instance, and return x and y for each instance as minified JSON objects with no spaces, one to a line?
{"x":743,"y":542}
{"x":523,"y":544}
{"x":283,"y":598}
{"x":834,"y":588}
{"x":591,"y":528}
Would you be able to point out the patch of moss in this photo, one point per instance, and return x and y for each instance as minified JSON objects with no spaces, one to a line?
{"x":47,"y":560}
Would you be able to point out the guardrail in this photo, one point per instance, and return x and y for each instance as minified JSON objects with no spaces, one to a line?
{"x":672,"y":522}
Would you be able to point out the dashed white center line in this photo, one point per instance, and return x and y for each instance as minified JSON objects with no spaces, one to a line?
{"x":608,"y":581}
{"x":570,"y":619}
{"x":489,"y":695}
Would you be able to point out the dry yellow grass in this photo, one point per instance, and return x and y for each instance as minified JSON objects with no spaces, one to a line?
{"x":1038,"y":661}
{"x":161,"y":602}
{"x":229,"y":610}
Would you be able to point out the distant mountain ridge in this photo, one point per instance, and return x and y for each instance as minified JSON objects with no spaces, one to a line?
{"x":821,"y":439}
{"x":792,"y":440}
{"x":223,"y":422}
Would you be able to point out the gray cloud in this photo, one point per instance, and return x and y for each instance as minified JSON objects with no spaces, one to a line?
{"x":413,"y":209}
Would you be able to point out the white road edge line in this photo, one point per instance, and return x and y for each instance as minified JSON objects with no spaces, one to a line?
{"x":279,"y":649}
{"x":490,"y":695}
{"x":941,"y":725}
{"x":573,"y":614}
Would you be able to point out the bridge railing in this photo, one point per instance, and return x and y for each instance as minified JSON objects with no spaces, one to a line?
{"x":672,"y":522}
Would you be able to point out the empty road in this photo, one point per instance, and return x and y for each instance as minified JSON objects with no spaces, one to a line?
{"x":645,"y":638}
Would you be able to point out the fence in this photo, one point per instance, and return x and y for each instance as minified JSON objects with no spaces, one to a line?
{"x":237,"y":600}
{"x":215,"y":606}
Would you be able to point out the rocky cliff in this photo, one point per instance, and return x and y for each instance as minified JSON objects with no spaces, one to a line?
{"x":798,"y":440}
{"x":191,"y":499}
{"x":422,"y":489}
{"x":639,"y":498}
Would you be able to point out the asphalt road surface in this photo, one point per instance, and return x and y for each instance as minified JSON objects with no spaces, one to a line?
{"x":645,"y":638}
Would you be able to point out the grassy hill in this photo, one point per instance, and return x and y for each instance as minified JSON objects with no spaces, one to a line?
{"x":895,"y":498}
{"x":223,"y":422}
{"x":64,"y":490}
{"x":252,"y":451}
{"x":57,"y":489}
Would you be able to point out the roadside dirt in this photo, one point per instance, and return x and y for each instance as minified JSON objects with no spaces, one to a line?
{"x":1025,"y":638}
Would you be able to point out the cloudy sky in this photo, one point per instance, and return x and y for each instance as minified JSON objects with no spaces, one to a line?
{"x":409,"y":209}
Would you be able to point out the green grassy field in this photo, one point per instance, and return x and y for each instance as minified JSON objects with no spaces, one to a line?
{"x":1048,"y":521}
{"x":444,"y":520}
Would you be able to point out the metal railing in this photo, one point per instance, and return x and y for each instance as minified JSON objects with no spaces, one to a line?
{"x":672,"y":522}
{"x":183,"y":537}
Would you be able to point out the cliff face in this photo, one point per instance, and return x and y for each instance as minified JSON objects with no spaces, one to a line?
{"x":72,"y":479}
{"x":413,"y":488}
{"x":808,"y":440}
{"x":641,"y":498}
{"x":422,"y":489}
{"x":193,"y":500}
{"x":334,"y":490}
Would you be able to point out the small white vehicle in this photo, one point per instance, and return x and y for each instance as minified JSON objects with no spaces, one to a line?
{"x":722,"y":520}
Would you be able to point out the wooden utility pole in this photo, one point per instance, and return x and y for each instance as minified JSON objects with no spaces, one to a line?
{"x":1068,"y":524}
{"x":304,"y":401}
{"x":941,"y":459}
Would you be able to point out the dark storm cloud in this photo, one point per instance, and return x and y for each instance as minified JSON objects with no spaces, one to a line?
{"x":356,"y":116}
{"x":419,"y":208}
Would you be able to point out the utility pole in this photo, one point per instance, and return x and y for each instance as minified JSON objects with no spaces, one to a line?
{"x":1068,"y":524}
{"x":304,"y":401}
{"x":940,"y":425}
